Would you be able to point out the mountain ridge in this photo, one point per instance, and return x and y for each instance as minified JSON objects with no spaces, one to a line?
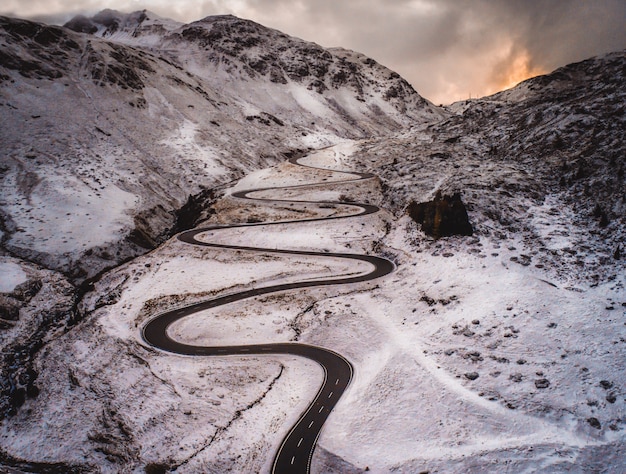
{"x":246,"y":45}
{"x":512,"y":336}
{"x":125,"y":110}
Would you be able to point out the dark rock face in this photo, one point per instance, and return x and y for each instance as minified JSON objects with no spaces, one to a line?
{"x":594,"y":422}
{"x":471,"y":375}
{"x":81,"y":24}
{"x":9,"y":311}
{"x":30,"y":326}
{"x":542,"y":383}
{"x":442,"y":217}
{"x":47,"y":55}
{"x":197,"y":208}
{"x":120,"y":67}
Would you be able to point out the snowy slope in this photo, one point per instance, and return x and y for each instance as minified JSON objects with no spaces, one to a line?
{"x":464,"y":361}
{"x":104,"y":139}
{"x":542,"y":163}
{"x":291,"y":74}
{"x":498,"y":352}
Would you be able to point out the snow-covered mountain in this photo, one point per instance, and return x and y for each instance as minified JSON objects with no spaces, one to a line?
{"x":542,"y":163}
{"x":105,"y":136}
{"x":500,"y":350}
{"x":228,"y":51}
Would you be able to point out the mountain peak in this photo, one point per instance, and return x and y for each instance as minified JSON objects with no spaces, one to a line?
{"x":232,"y":50}
{"x":140,"y":85}
{"x":108,"y":23}
{"x":216,"y":18}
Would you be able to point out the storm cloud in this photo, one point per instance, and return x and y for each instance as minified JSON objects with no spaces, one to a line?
{"x":448,"y":49}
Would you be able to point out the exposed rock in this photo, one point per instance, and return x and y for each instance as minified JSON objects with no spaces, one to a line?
{"x":27,"y":290}
{"x":197,"y":208}
{"x":157,"y":468}
{"x":9,"y":308}
{"x":542,"y":383}
{"x":12,"y":465}
{"x":442,"y":217}
{"x":45,"y":308}
{"x":81,"y":24}
{"x":594,"y":423}
{"x":606,"y":384}
{"x":474,"y":356}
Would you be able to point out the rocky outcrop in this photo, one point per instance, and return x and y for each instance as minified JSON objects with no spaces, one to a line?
{"x":444,"y":216}
{"x":35,"y":312}
{"x":48,"y":49}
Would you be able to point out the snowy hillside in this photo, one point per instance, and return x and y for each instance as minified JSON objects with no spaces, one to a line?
{"x":104,"y":141}
{"x":499,"y":351}
{"x":542,"y":163}
{"x":291,"y":74}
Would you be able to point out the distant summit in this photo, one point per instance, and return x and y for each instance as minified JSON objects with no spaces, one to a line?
{"x":108,"y":22}
{"x":234,"y":49}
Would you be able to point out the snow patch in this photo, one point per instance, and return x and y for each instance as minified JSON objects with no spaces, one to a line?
{"x":64,"y":214}
{"x":185,"y":141}
{"x":11,"y":275}
{"x":309,"y":101}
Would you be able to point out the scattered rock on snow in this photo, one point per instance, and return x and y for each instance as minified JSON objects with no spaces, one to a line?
{"x":605,"y":384}
{"x":594,"y":422}
{"x":542,"y":383}
{"x":474,"y":356}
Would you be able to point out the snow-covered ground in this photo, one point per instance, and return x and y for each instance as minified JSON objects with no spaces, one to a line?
{"x":12,"y":275}
{"x":106,"y":135}
{"x":464,"y":360}
{"x":502,"y":351}
{"x":97,"y":216}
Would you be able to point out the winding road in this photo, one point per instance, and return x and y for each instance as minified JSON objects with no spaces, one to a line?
{"x":296,"y":450}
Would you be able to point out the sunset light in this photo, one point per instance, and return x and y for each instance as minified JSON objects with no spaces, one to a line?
{"x":447,"y":50}
{"x":519,"y":70}
{"x":312,"y":237}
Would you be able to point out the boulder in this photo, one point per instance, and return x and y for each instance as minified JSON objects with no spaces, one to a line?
{"x":442,"y":217}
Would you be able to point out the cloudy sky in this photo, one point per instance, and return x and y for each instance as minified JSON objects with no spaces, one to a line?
{"x":448,"y":49}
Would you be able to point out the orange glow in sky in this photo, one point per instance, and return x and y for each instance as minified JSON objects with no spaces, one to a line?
{"x":518,"y":70}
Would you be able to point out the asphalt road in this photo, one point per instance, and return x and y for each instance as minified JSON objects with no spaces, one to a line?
{"x":296,"y":450}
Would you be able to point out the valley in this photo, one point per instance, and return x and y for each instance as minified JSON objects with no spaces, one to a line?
{"x":152,"y":171}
